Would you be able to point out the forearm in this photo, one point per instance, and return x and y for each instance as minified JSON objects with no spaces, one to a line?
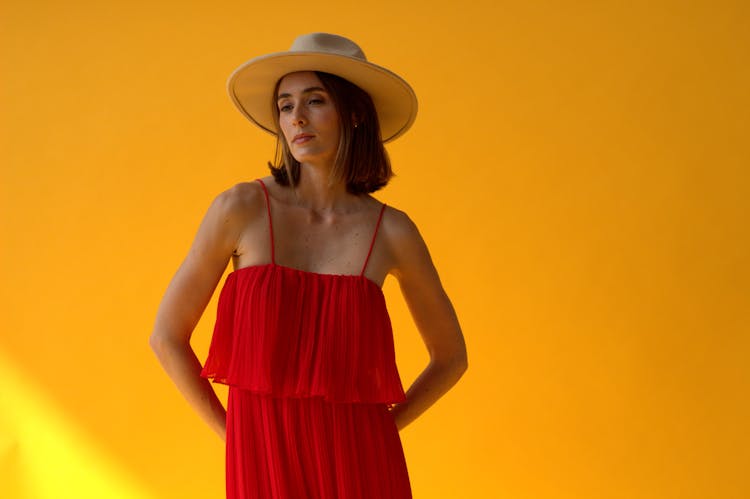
{"x":430,"y":385}
{"x":183,"y":367}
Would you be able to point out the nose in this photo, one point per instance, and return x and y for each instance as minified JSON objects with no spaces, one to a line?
{"x":298,"y":117}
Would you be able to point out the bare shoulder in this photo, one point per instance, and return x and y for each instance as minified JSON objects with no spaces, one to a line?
{"x":240,"y":200}
{"x":397,"y":226}
{"x":227,"y":217}
{"x":406,"y":248}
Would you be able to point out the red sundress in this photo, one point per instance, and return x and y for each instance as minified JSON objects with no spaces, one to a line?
{"x":310,"y":364}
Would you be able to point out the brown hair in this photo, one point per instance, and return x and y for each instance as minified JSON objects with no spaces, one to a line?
{"x":361,"y":160}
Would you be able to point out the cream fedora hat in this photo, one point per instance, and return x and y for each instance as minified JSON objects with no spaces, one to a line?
{"x":252,"y":84}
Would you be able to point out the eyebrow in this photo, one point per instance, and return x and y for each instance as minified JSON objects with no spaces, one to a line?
{"x":305,"y":91}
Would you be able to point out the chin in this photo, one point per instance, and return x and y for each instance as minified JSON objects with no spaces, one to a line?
{"x":312,"y":158}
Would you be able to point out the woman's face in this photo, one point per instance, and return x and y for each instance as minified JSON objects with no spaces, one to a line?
{"x":308,"y":118}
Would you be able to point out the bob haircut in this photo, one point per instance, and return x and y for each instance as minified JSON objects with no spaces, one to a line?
{"x":361,"y":160}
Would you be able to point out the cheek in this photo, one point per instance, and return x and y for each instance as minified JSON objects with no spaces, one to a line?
{"x":285,"y":127}
{"x":332,"y":119}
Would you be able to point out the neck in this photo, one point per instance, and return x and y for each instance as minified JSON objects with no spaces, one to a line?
{"x":314,"y":193}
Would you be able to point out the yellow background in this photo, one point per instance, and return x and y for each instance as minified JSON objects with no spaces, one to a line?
{"x":578,"y":169}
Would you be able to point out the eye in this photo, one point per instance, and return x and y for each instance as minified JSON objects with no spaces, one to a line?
{"x":285,"y":108}
{"x":315,"y":100}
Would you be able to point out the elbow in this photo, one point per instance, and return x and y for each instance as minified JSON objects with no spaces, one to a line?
{"x":159,"y":343}
{"x":166,"y":343}
{"x":156,"y":343}
{"x":462,"y":363}
{"x":457,"y":364}
{"x":460,"y":358}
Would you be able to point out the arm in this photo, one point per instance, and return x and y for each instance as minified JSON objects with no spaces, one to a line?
{"x":186,"y":298}
{"x":433,"y":315}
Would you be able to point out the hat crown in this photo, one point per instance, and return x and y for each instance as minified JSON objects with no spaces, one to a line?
{"x":251,"y":86}
{"x":328,"y":44}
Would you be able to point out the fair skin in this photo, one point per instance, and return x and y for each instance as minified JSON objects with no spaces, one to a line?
{"x":321,"y":229}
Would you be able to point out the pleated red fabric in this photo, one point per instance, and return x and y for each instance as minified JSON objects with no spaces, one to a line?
{"x":310,"y":363}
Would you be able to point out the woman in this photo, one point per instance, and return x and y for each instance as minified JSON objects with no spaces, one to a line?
{"x":302,"y":334}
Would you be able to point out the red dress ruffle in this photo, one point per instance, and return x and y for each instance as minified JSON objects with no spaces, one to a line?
{"x":310,"y":362}
{"x":292,"y":333}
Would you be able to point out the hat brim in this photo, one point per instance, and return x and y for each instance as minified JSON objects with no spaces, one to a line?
{"x":252,"y":84}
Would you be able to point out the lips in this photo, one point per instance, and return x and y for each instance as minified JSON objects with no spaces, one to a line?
{"x":302,"y":137}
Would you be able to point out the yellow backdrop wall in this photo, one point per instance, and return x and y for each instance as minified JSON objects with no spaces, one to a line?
{"x":578,"y":169}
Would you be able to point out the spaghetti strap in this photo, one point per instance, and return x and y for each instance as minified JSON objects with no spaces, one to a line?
{"x":377,"y":226}
{"x":270,"y":223}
